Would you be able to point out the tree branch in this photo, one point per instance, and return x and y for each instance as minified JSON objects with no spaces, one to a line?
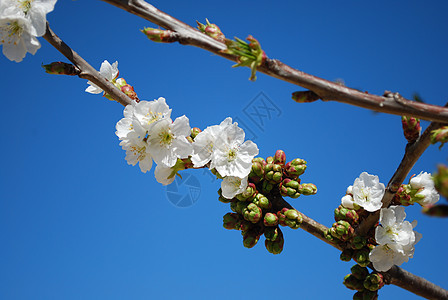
{"x":325,"y":89}
{"x":396,"y":275}
{"x":412,"y":154}
{"x":87,"y":71}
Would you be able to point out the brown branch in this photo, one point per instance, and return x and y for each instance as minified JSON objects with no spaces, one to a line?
{"x":87,"y":71}
{"x":396,"y":275}
{"x":326,"y":90}
{"x":412,"y":154}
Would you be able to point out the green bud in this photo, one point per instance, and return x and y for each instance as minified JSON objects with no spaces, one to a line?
{"x":346,"y":255}
{"x":411,"y":128}
{"x":362,"y":257}
{"x":290,"y":217}
{"x":194,"y":132}
{"x":359,"y":272}
{"x":266,"y":187}
{"x":271,"y":233}
{"x":257,"y":172}
{"x":276,"y":246}
{"x":159,"y":35}
{"x":353,"y":283}
{"x":238,"y":206}
{"x":369,"y":295}
{"x":232,"y":221}
{"x":308,"y":189}
{"x":61,"y":68}
{"x":440,"y":135}
{"x":358,"y":242}
{"x":252,"y":213}
{"x":345,"y":214}
{"x":374,"y":282}
{"x":280,"y":157}
{"x":273,"y":173}
{"x":269,"y":160}
{"x":250,"y":239}
{"x":261,"y":201}
{"x":342,"y":230}
{"x":248,"y":194}
{"x":289,"y":188}
{"x":295,"y":168}
{"x":212,"y":30}
{"x":270,"y":219}
{"x":403,"y":196}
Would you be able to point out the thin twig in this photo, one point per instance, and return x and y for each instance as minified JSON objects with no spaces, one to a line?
{"x":87,"y":71}
{"x":326,"y":90}
{"x":412,"y":154}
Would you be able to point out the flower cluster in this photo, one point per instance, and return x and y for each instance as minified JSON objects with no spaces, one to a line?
{"x":395,"y":237}
{"x":366,"y":192}
{"x":420,"y":190}
{"x":21,"y":21}
{"x":148,"y":134}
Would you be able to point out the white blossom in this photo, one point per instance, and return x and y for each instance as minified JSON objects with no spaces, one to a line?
{"x":232,"y":157}
{"x":427,"y":194}
{"x":347,"y":202}
{"x":164,"y":175}
{"x":368,"y":192}
{"x":108,"y":71}
{"x":232,"y":186}
{"x":395,"y":237}
{"x":148,"y":112}
{"x":204,"y":142}
{"x":137,"y":151}
{"x":34,"y":10}
{"x":168,"y":140}
{"x":17,"y":37}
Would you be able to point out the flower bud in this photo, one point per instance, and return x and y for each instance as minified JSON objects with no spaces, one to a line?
{"x":295,"y":168}
{"x":289,"y":188}
{"x":342,"y":230}
{"x":359,"y":272}
{"x":259,"y":160}
{"x":269,"y":160}
{"x":159,"y":35}
{"x":194,"y":132}
{"x":273,"y":173}
{"x":344,"y":214}
{"x":362,"y":257}
{"x":353,"y":283}
{"x":346,"y":255}
{"x":289,"y":217}
{"x":261,"y":201}
{"x":369,"y":295}
{"x":270,"y":219}
{"x":250,"y":238}
{"x":308,"y":189}
{"x":238,"y":206}
{"x":280,"y":157}
{"x":374,"y":282}
{"x":281,"y":216}
{"x":61,"y":68}
{"x":271,"y":233}
{"x":252,"y":213}
{"x":440,"y":135}
{"x":212,"y":30}
{"x":257,"y":172}
{"x":439,"y":210}
{"x":276,"y":246}
{"x":441,"y":180}
{"x":248,"y":194}
{"x":232,"y":221}
{"x":358,"y":242}
{"x":266,"y":187}
{"x":411,"y":128}
{"x":305,"y":96}
{"x":403,"y":196}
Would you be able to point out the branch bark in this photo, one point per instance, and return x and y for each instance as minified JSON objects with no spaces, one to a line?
{"x":87,"y":71}
{"x":325,"y":89}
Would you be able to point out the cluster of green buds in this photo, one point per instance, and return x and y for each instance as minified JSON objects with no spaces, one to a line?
{"x":61,"y":68}
{"x":366,"y":285}
{"x":411,"y":128}
{"x":247,"y":54}
{"x":253,"y":213}
{"x":440,"y":136}
{"x":159,"y":35}
{"x":212,"y":30}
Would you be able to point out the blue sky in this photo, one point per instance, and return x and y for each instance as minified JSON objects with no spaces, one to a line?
{"x":77,"y":222}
